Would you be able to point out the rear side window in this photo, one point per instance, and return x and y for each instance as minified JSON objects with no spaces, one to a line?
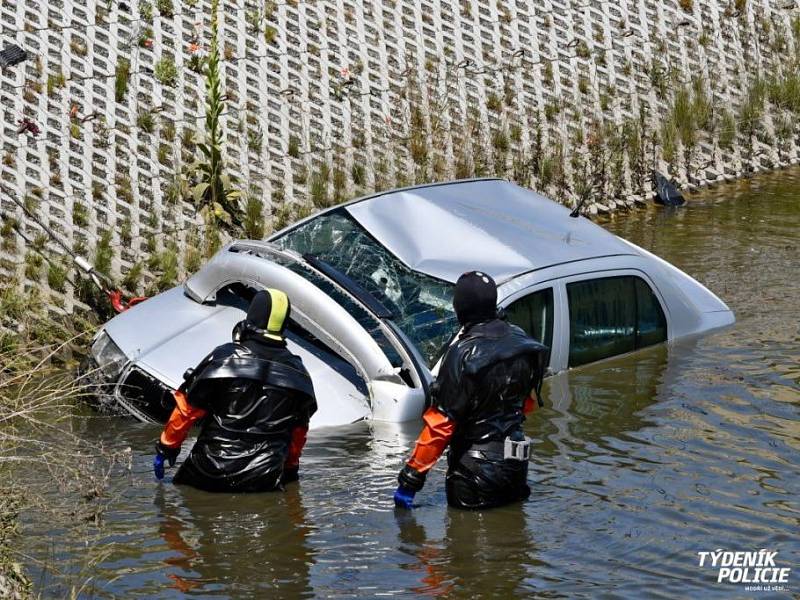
{"x":612,"y":316}
{"x":534,"y":314}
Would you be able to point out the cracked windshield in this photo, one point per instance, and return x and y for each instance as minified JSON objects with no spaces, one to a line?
{"x":421,"y":306}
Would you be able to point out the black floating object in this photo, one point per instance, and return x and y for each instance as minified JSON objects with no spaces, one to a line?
{"x":666,"y":192}
{"x":12,"y":55}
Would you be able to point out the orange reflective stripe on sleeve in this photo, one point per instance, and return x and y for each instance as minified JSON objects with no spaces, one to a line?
{"x":180,"y":421}
{"x":432,"y":441}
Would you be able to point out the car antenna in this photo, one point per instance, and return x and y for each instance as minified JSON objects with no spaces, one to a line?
{"x":576,"y":212}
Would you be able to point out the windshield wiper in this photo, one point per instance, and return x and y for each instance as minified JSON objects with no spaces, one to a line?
{"x":352,"y":287}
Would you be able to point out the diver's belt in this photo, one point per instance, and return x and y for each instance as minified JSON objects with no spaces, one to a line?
{"x":508,"y":449}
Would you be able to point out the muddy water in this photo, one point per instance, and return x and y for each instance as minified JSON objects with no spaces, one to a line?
{"x":640,"y":463}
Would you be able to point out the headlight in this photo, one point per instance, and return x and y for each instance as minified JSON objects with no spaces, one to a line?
{"x":109,"y":357}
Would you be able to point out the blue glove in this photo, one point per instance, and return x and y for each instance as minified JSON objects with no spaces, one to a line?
{"x":404,"y":497}
{"x":163,"y":453}
{"x":158,"y":466}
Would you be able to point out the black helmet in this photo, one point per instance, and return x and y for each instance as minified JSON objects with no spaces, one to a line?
{"x":269,"y":313}
{"x":475,"y":297}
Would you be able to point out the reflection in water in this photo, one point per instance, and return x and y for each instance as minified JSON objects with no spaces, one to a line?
{"x":639,"y":463}
{"x":426,"y":558}
{"x":598,"y":399}
{"x":236,"y":544}
{"x":173,"y":531}
{"x":488,"y":551}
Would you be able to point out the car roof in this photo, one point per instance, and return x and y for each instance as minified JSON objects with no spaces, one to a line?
{"x":489,"y":225}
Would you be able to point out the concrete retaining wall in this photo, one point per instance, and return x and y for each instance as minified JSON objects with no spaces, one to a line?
{"x":332,"y":99}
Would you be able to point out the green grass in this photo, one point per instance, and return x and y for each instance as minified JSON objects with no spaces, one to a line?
{"x":166,"y":72}
{"x":8,"y":234}
{"x":165,"y":8}
{"x":751,"y":111}
{"x":33,"y":266}
{"x":57,"y":277}
{"x":683,"y":117}
{"x":493,"y":102}
{"x":124,"y":188}
{"x":80,"y":214}
{"x":55,"y":81}
{"x":253,"y":224}
{"x":163,"y":155}
{"x":122,"y":75}
{"x":104,"y":253}
{"x":293,"y":149}
{"x":318,"y":186}
{"x":669,"y":141}
{"x":132,"y":279}
{"x":146,"y":121}
{"x":784,"y":91}
{"x":146,"y":12}
{"x":500,"y":141}
{"x":168,"y":265}
{"x":339,"y":181}
{"x":358,"y":174}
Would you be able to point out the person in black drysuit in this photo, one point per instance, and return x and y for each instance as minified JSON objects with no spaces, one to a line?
{"x":489,"y":379}
{"x":256,"y":399}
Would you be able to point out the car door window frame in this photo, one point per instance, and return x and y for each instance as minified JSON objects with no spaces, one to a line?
{"x":603,"y":274}
{"x":559,"y":297}
{"x":415,"y":365}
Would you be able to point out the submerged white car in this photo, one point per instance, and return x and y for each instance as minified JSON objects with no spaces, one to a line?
{"x":371,"y":287}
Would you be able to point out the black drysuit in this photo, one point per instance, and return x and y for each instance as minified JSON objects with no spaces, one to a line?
{"x":486,"y":381}
{"x":256,"y":398}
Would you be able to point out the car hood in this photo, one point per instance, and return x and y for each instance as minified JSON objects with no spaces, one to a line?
{"x":449,"y":228}
{"x":170,"y":333}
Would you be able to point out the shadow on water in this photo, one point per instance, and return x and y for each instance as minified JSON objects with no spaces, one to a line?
{"x":640,"y":462}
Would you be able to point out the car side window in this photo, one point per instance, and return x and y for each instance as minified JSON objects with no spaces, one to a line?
{"x":235,"y":294}
{"x":534,"y":314}
{"x":611,"y":316}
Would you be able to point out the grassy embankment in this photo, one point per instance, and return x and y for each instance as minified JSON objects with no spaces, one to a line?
{"x":48,"y":472}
